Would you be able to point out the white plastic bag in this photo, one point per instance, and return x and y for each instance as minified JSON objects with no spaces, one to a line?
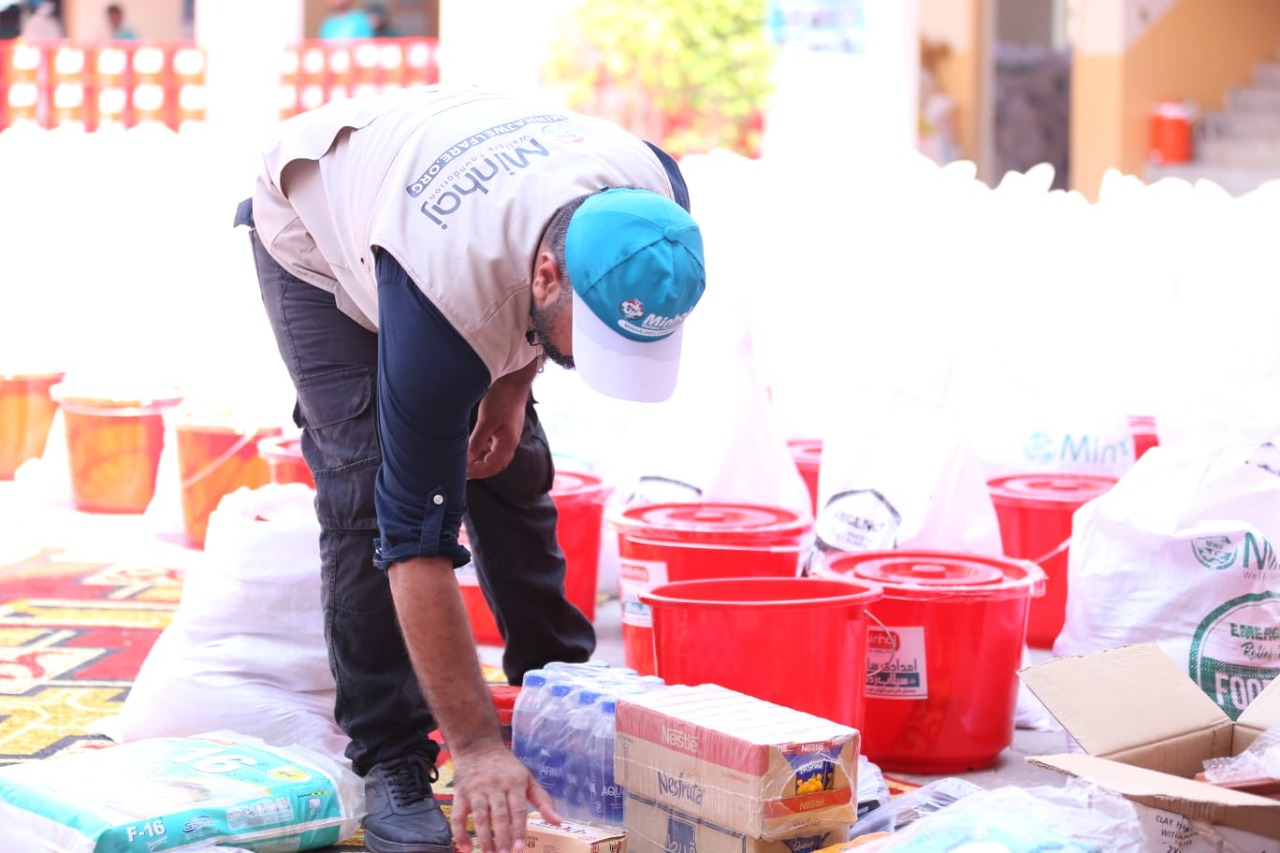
{"x":903,"y":476}
{"x":1178,"y":554}
{"x":246,"y":648}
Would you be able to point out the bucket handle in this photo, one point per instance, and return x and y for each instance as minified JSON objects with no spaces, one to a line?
{"x":884,"y":628}
{"x":1066,"y":543}
{"x":231,"y":451}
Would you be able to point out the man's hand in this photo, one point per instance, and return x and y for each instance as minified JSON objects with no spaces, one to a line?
{"x":499,"y":422}
{"x":494,"y":788}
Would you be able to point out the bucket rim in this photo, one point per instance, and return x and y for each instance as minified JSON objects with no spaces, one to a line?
{"x":589,"y":485}
{"x":188,"y":423}
{"x":1079,"y":489}
{"x":1031,"y":584}
{"x":53,"y":376}
{"x":92,"y":403}
{"x":860,"y":593}
{"x":787,"y":525}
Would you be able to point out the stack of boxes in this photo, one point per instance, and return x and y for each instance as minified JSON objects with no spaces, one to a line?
{"x":710,"y":770}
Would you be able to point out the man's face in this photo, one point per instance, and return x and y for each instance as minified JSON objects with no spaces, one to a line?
{"x":553,"y":325}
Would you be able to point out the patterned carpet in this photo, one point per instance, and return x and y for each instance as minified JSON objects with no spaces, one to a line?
{"x":83,"y":598}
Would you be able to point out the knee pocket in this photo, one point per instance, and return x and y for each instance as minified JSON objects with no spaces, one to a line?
{"x":339,"y":414}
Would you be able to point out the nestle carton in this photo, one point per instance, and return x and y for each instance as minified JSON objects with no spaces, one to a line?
{"x":745,"y":766}
{"x":544,"y":837}
{"x":1147,"y":730}
{"x":655,"y":828}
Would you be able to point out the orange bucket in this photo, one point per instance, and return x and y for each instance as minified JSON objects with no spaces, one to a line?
{"x":807,"y":454}
{"x":284,"y":461}
{"x":113,"y":448}
{"x":1171,"y":130}
{"x":213,"y":461}
{"x":26,"y":413}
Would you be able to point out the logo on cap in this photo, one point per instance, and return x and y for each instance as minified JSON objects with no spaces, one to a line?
{"x":632,"y":309}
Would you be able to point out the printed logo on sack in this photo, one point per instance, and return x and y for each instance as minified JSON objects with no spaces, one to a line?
{"x":858,"y":520}
{"x":1235,"y":650}
{"x":1214,"y":552}
{"x":564,"y":132}
{"x":632,"y":309}
{"x":1040,"y":448}
{"x":1257,"y":559}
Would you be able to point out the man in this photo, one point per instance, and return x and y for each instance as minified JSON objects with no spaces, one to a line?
{"x":344,"y":21}
{"x":116,"y":27}
{"x":419,"y":255}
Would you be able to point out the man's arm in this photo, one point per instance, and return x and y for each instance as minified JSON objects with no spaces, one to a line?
{"x":499,"y":421}
{"x":489,"y":782}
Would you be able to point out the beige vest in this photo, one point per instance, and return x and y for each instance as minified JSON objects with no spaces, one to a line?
{"x":457,"y":185}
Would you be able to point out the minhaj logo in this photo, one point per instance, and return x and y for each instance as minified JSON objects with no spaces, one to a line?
{"x":632,"y":309}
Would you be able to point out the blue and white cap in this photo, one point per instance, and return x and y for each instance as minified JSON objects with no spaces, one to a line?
{"x":634,"y":259}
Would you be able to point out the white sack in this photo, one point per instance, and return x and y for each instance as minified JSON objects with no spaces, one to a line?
{"x":1178,"y":553}
{"x":246,"y":648}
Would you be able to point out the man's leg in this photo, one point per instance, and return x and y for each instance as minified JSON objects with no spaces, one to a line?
{"x":333,"y":364}
{"x":511,"y":523}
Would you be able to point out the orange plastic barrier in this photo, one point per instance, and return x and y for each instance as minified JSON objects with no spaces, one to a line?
{"x":101,"y":84}
{"x":315,"y":72}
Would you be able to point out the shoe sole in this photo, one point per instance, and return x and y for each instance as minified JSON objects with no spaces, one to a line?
{"x":382,"y":845}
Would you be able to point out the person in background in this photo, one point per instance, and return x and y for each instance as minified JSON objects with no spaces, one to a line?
{"x":10,"y":21}
{"x":117,"y":29}
{"x":381,"y":21}
{"x":345,"y":22}
{"x":420,"y":254}
{"x":43,"y":23}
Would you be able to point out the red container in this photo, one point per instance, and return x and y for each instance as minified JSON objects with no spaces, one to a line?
{"x":798,"y":642}
{"x":807,"y":453}
{"x":668,"y":542}
{"x":1171,"y":132}
{"x":579,"y":499}
{"x":1145,"y":436}
{"x":1035,"y":512}
{"x":26,"y":413}
{"x":504,"y":702}
{"x":215,"y":459}
{"x":113,"y":448}
{"x":941,"y":681}
{"x":284,"y":461}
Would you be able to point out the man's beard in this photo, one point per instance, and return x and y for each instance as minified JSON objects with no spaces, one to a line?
{"x":545,"y":321}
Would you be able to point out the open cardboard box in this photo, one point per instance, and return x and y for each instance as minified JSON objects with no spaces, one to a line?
{"x":1147,"y":729}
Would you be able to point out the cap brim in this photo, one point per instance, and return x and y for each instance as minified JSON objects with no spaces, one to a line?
{"x":641,"y":371}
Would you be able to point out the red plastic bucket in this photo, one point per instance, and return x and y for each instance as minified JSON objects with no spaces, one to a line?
{"x":26,"y":413}
{"x":941,"y":682}
{"x":798,"y":642}
{"x":284,"y":461}
{"x":1145,"y":436}
{"x":668,"y":542}
{"x":1034,"y":512}
{"x":215,"y":459}
{"x":807,"y":453}
{"x":113,"y":448}
{"x":579,"y":499}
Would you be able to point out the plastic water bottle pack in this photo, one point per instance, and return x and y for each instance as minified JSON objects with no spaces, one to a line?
{"x":563,"y":730}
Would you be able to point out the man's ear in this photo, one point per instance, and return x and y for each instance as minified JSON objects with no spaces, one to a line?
{"x":546,"y":282}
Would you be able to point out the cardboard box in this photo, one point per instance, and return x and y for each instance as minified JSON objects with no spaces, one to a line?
{"x":656,"y":828}
{"x":757,"y":769}
{"x":544,"y":837}
{"x":1147,"y":729}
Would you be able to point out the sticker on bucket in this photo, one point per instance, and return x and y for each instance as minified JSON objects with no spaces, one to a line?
{"x":1235,"y":652}
{"x":896,"y":665}
{"x":636,"y":577}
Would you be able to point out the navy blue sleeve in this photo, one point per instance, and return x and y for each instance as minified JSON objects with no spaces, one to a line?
{"x":673,"y":173}
{"x":429,"y":380}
